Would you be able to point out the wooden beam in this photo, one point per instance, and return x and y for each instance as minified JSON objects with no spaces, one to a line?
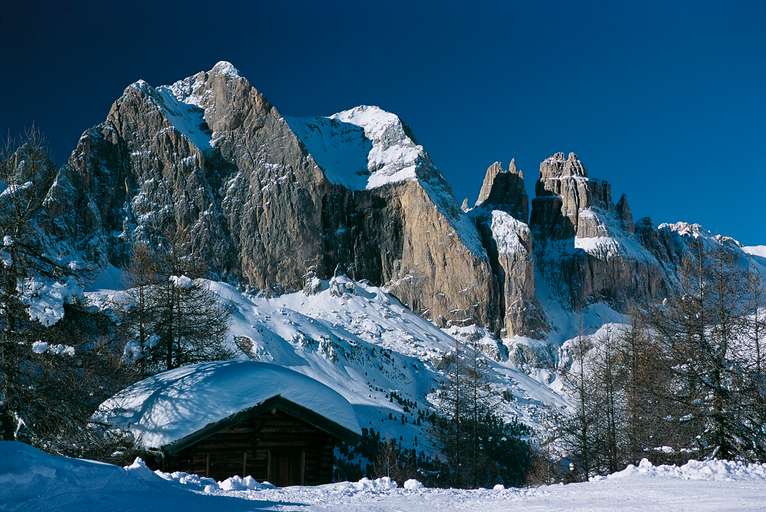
{"x":303,"y":467}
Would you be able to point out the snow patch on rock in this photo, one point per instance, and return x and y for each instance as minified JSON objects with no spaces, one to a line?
{"x":509,"y":233}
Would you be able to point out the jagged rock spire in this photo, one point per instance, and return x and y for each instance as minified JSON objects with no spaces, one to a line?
{"x":464,"y":205}
{"x":504,"y":190}
{"x":624,"y":214}
{"x":562,"y":192}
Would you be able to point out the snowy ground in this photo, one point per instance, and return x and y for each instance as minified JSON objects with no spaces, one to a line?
{"x":31,"y":480}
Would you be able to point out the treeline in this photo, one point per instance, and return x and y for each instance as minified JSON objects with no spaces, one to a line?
{"x":481,"y":448}
{"x":684,"y":380}
{"x":55,"y":370}
{"x":475,"y":446}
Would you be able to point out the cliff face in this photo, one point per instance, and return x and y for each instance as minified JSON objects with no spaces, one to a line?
{"x":209,"y":164}
{"x":587,"y":247}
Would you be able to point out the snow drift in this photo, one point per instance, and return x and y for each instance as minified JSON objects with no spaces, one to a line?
{"x":32,"y":481}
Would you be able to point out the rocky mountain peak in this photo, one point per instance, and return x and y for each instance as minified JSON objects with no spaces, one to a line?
{"x":562,"y":191}
{"x":624,"y":214}
{"x":559,"y":166}
{"x":504,"y":190}
{"x":224,"y":67}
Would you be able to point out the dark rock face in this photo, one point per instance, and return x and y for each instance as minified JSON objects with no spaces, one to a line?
{"x":504,"y":190}
{"x":625,"y":215}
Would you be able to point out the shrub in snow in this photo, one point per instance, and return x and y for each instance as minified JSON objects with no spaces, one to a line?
{"x":45,"y":299}
{"x":412,"y":485}
{"x":39,"y":347}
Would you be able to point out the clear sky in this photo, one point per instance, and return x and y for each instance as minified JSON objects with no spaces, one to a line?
{"x":667,"y":100}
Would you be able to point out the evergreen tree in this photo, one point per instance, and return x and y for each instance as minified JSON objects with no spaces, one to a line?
{"x":701,"y":334}
{"x":173,"y":319}
{"x":576,"y":428}
{"x":481,"y":447}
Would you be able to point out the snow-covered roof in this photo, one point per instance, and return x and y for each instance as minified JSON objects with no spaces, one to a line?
{"x":172,"y":405}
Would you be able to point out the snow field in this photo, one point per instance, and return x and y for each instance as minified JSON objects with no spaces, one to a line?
{"x":32,"y":481}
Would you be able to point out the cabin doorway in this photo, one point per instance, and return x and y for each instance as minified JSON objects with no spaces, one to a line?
{"x":287,"y":466}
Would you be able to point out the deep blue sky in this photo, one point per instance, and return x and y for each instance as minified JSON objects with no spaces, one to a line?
{"x":667,"y":100}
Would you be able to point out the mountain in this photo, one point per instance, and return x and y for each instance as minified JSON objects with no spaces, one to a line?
{"x":267,"y":201}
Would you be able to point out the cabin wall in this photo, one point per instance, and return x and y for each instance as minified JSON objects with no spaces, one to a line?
{"x":274,"y":447}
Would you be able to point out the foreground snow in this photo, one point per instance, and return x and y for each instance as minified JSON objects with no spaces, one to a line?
{"x":31,"y":480}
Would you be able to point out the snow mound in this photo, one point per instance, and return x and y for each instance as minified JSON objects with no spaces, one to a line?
{"x":412,"y":484}
{"x":248,"y":483}
{"x":35,"y":481}
{"x":715,"y":470}
{"x":174,"y":404}
{"x":367,"y":485}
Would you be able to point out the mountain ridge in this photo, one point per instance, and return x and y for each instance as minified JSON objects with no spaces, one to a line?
{"x":265,"y":200}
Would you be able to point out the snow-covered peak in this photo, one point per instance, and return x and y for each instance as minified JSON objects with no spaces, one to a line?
{"x":372,"y":118}
{"x":394,"y":155}
{"x":756,"y":250}
{"x":697,"y":231}
{"x":361,"y":148}
{"x":224,"y":68}
{"x":140,"y":85}
{"x":685,"y":229}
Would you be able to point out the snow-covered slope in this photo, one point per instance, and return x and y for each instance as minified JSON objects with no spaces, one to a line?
{"x":33,"y":481}
{"x":364,"y":344}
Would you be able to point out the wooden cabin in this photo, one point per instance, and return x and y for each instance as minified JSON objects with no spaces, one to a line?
{"x":228,"y":418}
{"x":277,"y":441}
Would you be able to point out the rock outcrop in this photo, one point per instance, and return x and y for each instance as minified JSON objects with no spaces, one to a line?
{"x":501,"y":214}
{"x":509,"y":246}
{"x":587,"y":248}
{"x":504,"y":190}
